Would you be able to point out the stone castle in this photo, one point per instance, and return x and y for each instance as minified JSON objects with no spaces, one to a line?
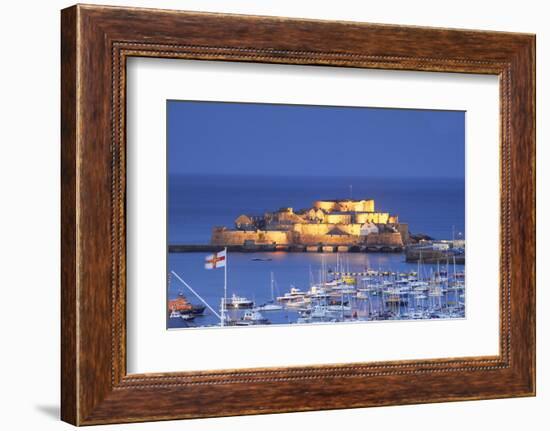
{"x":342,"y":223}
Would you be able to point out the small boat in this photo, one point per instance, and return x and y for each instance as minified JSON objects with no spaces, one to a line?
{"x":182,"y":306}
{"x":294,"y":294}
{"x":252,"y":317}
{"x":337,"y":300}
{"x":401,"y":281}
{"x":322,"y":312}
{"x":270,"y":307}
{"x":436,"y":291}
{"x":345,"y":291}
{"x":187,"y":317}
{"x":419,"y":285}
{"x":363,"y":294}
{"x":259,"y":259}
{"x":316,"y":291}
{"x":396,"y":300}
{"x":238,"y":302}
{"x":298,"y":303}
{"x":320,"y":296}
{"x":175,"y":314}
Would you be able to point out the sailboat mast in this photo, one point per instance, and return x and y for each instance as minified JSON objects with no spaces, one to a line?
{"x":419,"y":261}
{"x":224,"y":288}
{"x":272,"y":283}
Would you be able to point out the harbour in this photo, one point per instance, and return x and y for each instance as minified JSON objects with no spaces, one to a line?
{"x":278,"y":288}
{"x":265,"y":244}
{"x":295,"y":248}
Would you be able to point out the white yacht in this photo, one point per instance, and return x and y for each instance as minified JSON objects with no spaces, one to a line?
{"x":238,"y":302}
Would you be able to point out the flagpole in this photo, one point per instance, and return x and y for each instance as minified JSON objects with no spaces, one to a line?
{"x":224,"y":287}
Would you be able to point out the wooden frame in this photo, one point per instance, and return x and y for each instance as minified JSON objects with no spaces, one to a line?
{"x":96,"y":41}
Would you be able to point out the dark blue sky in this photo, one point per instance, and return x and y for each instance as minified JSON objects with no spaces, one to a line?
{"x":250,"y":138}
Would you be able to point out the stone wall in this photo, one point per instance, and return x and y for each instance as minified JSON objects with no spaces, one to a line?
{"x":372,"y":217}
{"x":225,"y":237}
{"x":329,"y":239}
{"x":366,"y":205}
{"x":385,"y":238}
{"x":352,"y":229}
{"x":326,"y":206}
{"x":357,"y":206}
{"x":324,"y":228}
{"x":310,"y":234}
{"x":338,"y":218}
{"x":222,"y":236}
{"x":403,"y":229}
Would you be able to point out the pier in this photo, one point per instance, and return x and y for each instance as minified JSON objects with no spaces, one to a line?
{"x":300,"y":248}
{"x":433,"y":255}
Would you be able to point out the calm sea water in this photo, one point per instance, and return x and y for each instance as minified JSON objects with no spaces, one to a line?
{"x":197,"y":203}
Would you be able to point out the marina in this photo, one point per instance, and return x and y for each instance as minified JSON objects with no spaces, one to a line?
{"x":313,"y":235}
{"x":287,"y":288}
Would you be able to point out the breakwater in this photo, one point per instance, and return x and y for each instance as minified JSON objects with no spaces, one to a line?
{"x":431,"y":255}
{"x":299,"y":248}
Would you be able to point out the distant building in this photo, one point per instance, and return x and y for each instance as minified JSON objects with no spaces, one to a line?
{"x":342,"y":222}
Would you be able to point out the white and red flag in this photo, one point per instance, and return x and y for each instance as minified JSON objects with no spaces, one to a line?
{"x":216,"y":260}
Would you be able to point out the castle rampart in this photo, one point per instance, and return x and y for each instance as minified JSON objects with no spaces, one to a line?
{"x":331,"y":222}
{"x":224,"y":236}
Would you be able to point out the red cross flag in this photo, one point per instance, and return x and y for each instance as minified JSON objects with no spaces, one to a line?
{"x":216,"y":260}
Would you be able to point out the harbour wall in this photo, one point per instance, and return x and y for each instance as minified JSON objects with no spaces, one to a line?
{"x":223,"y":237}
{"x":307,"y":234}
{"x":295,"y":248}
{"x":311,"y":235}
{"x":428,"y":255}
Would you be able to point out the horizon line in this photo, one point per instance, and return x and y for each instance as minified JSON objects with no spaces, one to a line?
{"x":312,"y":176}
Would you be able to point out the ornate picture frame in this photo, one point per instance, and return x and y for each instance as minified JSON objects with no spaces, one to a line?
{"x":96,"y":41}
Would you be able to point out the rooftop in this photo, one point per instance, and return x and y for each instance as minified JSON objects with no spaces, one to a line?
{"x":336,"y":231}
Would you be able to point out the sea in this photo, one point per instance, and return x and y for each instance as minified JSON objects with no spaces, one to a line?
{"x":196,"y":203}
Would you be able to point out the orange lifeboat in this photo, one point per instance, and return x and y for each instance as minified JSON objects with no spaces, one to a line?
{"x":179,"y":304}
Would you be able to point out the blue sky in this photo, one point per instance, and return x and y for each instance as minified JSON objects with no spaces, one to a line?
{"x":289,"y":140}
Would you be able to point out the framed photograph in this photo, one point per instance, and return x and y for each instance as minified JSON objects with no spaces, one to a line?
{"x":322,"y":214}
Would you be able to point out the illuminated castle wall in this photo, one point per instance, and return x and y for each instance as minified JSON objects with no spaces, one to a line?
{"x":343,"y":222}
